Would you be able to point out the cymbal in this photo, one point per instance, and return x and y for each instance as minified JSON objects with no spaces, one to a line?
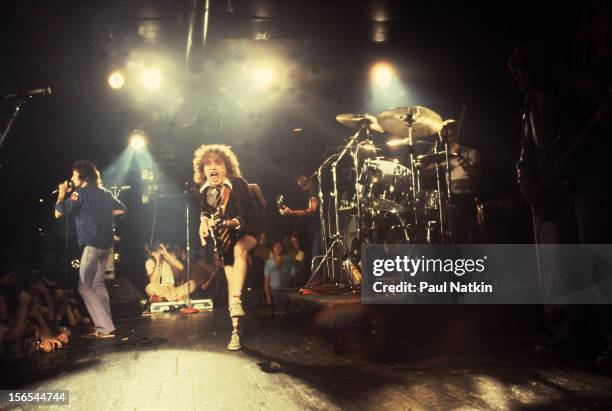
{"x":439,"y":157}
{"x":400,"y":142}
{"x":368,"y":145}
{"x":356,"y":120}
{"x":425,"y":122}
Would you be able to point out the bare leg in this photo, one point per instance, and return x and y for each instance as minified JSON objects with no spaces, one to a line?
{"x":236,"y":274}
{"x":239,"y":269}
{"x":229,"y":274}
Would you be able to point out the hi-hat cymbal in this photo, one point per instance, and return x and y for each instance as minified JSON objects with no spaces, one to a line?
{"x":357,"y":120}
{"x":397,"y":121}
{"x":368,"y":146}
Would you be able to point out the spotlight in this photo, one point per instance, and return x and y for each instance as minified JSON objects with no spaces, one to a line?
{"x":382,"y":74}
{"x":263,"y":77}
{"x":138,"y":140}
{"x":151,"y":78}
{"x":116,"y":80}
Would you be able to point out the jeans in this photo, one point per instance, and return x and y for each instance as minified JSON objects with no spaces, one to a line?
{"x":92,"y":288}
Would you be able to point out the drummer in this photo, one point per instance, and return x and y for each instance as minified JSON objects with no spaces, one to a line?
{"x":465,"y":175}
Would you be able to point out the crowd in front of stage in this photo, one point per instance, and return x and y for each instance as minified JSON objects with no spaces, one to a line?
{"x":273,"y":265}
{"x":36,"y":313}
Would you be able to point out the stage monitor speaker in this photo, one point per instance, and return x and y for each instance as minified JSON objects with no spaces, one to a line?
{"x":124,"y":297}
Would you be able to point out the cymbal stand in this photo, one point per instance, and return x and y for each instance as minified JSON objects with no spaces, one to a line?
{"x":448,"y":185}
{"x":441,"y":211}
{"x":324,"y":258}
{"x":338,"y":240}
{"x":409,"y":120}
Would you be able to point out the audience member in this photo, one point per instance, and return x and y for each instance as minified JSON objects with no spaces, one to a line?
{"x":164,"y":268}
{"x":278,"y":272}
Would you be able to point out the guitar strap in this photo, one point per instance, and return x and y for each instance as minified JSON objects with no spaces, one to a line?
{"x":224,"y":199}
{"x":224,"y":235}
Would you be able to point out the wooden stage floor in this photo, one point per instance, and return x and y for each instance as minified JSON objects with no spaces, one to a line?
{"x":176,"y":362}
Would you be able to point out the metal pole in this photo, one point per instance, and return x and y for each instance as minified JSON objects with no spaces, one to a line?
{"x":10,"y":123}
{"x":192,"y":15}
{"x":188,"y":248}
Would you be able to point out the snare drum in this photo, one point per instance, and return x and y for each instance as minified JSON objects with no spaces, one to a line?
{"x":385,"y":185}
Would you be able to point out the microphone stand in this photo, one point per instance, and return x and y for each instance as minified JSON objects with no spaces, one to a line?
{"x":189,"y":309}
{"x":20,"y":102}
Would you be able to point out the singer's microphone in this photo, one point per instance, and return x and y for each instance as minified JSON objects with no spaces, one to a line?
{"x":44,"y":91}
{"x":70,"y":185}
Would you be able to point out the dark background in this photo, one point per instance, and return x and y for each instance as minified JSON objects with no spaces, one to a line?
{"x":446,"y":54}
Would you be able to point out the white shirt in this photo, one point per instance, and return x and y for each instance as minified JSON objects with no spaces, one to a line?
{"x":226,"y":182}
{"x":461,"y":182}
{"x":164,"y":271}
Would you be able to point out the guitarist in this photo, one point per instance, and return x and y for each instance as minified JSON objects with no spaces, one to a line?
{"x":309,"y":215}
{"x":227,"y":212}
{"x":561,"y":172}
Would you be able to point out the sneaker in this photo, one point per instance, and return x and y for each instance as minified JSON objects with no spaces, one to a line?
{"x":236,"y":309}
{"x":234,"y":344}
{"x":98,"y":335}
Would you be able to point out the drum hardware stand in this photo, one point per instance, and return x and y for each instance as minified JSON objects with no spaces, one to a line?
{"x":319,"y":174}
{"x":325,"y":258}
{"x":444,"y":220}
{"x":409,"y":120}
{"x":338,"y":240}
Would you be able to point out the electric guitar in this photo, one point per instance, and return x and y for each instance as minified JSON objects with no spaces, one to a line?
{"x":542,"y":184}
{"x":223,"y":237}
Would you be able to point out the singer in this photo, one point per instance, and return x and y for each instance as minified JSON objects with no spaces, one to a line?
{"x":229,"y":213}
{"x":93,"y":208}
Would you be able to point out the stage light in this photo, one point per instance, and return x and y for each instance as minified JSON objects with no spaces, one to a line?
{"x":138,"y":140}
{"x":382,"y":74}
{"x":380,"y":32}
{"x":263,"y":77}
{"x":151,"y":78}
{"x":116,"y":80}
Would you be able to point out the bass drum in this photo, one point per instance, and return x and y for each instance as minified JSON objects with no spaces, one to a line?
{"x":379,"y":229}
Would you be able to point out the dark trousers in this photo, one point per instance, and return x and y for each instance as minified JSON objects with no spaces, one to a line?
{"x":464,"y":224}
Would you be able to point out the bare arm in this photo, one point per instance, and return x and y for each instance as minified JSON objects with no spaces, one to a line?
{"x":172,"y":260}
{"x":267,"y":292}
{"x":474,"y":170}
{"x":61,"y":195}
{"x":151,"y":266}
{"x":313,"y":204}
{"x":36,"y":315}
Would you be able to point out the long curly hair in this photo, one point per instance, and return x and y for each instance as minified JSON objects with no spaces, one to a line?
{"x":87,"y":171}
{"x":205,"y":151}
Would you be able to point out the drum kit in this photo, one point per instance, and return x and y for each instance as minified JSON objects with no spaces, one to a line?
{"x":393,"y":200}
